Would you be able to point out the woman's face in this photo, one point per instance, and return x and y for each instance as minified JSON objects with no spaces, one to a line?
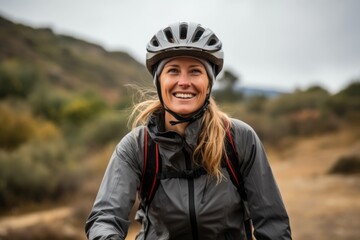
{"x":184,"y":85}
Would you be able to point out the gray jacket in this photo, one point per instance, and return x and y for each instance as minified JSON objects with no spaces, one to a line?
{"x":183,"y":208}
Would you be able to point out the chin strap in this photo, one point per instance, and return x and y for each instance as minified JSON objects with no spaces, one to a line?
{"x":181,"y":119}
{"x":193,"y":117}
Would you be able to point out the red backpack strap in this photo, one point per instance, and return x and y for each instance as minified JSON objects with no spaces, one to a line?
{"x":233,"y":167}
{"x":145,"y":159}
{"x":232,"y":162}
{"x":151,"y":170}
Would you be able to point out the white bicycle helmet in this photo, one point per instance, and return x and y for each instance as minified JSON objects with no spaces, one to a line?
{"x":185,"y":39}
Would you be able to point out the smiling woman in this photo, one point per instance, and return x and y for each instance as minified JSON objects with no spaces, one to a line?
{"x":181,"y":154}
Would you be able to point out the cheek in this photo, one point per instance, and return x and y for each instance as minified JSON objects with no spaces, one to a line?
{"x":206,"y":88}
{"x":164,"y":84}
{"x":165,"y":87}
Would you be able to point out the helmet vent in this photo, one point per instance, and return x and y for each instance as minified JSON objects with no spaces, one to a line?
{"x":213,"y":41}
{"x":198,"y":34}
{"x":183,"y":31}
{"x":155,"y":42}
{"x":169,"y":36}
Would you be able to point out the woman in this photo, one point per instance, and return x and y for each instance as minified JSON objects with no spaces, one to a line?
{"x":189,"y":129}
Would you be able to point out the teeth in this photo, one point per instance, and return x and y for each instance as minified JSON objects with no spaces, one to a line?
{"x":184,"y":95}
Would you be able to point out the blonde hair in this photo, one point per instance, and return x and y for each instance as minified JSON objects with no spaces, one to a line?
{"x":211,"y":141}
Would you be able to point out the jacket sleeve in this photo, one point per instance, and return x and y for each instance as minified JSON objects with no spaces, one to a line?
{"x":109,"y":217}
{"x":267,"y":210}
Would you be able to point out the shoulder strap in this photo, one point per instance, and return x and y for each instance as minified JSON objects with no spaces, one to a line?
{"x":233,"y":167}
{"x":151,"y":170}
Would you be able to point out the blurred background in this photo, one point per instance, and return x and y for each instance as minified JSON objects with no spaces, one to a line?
{"x":292,"y":71}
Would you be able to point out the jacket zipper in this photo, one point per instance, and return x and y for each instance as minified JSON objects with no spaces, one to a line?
{"x":191,"y":189}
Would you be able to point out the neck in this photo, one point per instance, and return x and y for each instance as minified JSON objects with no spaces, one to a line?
{"x":179,"y":128}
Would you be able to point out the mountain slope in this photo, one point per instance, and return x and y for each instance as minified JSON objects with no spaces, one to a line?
{"x":69,"y":63}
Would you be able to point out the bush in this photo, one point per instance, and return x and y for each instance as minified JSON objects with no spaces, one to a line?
{"x":346,"y":165}
{"x":18,"y":127}
{"x":61,"y":108}
{"x":105,"y":129}
{"x":36,"y":172}
{"x":17,"y":79}
{"x":48,"y":104}
{"x":256,"y":104}
{"x":311,"y":121}
{"x":347,"y":102}
{"x":81,"y":109}
{"x":15,"y":128}
{"x":312,"y":98}
{"x":302,"y":113}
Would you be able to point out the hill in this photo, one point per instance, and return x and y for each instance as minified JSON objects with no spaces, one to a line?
{"x":253,"y":91}
{"x":68,"y":63}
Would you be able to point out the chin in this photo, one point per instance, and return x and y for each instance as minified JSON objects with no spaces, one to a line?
{"x":184,"y":113}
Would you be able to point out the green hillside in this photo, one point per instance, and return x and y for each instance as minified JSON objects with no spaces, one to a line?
{"x":61,"y":100}
{"x":67,"y":63}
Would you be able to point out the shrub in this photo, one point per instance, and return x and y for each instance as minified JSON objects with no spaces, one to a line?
{"x":83,"y":108}
{"x":346,"y":165}
{"x":312,"y":98}
{"x":256,"y":104}
{"x":105,"y":129}
{"x":310,"y":121}
{"x":36,"y":172}
{"x":15,"y":128}
{"x":48,"y":104}
{"x":301,"y":113}
{"x":352,"y":90}
{"x":347,"y":102}
{"x":18,"y":127}
{"x":17,"y":78}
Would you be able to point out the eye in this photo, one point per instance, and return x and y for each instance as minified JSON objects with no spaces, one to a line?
{"x":172,"y":71}
{"x":196,"y":71}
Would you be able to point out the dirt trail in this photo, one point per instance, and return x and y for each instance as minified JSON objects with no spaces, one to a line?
{"x":28,"y":220}
{"x":321,"y":206}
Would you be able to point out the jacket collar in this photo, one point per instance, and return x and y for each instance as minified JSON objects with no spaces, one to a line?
{"x":170,"y":139}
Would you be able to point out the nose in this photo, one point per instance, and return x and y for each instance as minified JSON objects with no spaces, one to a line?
{"x":184,"y":80}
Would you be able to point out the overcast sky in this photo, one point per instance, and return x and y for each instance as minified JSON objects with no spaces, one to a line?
{"x":283,"y":44}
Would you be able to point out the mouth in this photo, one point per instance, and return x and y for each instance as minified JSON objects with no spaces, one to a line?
{"x":184,"y":95}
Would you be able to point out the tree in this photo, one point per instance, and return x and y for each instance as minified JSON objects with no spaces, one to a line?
{"x":227,"y":91}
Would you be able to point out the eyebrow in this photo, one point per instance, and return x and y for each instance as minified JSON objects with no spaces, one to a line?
{"x":178,"y":65}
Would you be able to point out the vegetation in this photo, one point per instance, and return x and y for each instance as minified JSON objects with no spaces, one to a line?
{"x":61,"y":99}
{"x":301,"y":113}
{"x":227,"y":92}
{"x":17,"y":78}
{"x":346,"y":165}
{"x":57,"y":101}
